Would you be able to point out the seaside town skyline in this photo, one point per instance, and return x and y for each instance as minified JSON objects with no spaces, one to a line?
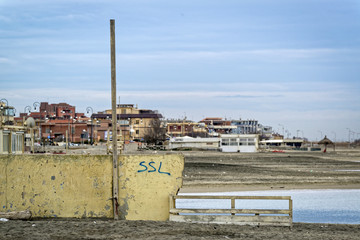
{"x":61,"y":112}
{"x":284,"y":64}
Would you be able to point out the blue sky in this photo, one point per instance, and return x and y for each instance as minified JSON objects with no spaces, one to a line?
{"x":286,"y":63}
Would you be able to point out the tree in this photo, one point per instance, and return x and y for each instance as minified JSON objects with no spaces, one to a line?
{"x":155,"y":133}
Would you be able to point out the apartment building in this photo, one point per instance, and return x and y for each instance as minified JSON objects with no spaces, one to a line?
{"x":181,"y":128}
{"x":217,"y":126}
{"x":132,"y":121}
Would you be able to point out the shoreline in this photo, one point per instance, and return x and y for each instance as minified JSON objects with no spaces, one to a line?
{"x":245,"y":188}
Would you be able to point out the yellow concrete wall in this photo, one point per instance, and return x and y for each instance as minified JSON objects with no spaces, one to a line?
{"x":81,"y":185}
{"x":144,"y":186}
{"x":3,"y":168}
{"x":57,"y":185}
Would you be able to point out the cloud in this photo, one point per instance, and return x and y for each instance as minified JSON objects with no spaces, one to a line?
{"x":257,"y":53}
{"x":65,"y":17}
{"x":4,"y":19}
{"x":5,"y":60}
{"x":251,"y":96}
{"x":288,"y":92}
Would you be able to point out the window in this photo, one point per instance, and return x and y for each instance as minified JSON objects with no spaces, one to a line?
{"x":137,"y":131}
{"x":243,"y":142}
{"x":19,"y":141}
{"x":225,"y":142}
{"x":233,"y":142}
{"x":13,"y":143}
{"x":5,"y":142}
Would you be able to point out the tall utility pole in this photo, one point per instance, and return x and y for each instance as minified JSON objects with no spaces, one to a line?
{"x":114,"y":128}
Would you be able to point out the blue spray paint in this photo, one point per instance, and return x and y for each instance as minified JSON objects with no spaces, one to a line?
{"x":153,"y":168}
{"x":162,"y":172}
{"x":141,"y":164}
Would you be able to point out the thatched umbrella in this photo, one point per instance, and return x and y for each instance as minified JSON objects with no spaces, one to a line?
{"x":325,"y":141}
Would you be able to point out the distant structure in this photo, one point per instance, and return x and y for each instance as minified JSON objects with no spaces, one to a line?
{"x":54,"y":120}
{"x":53,"y":111}
{"x":245,"y":126}
{"x":217,"y":126}
{"x":184,"y":127}
{"x":11,"y":136}
{"x":133,"y":122}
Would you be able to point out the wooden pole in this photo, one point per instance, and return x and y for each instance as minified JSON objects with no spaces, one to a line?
{"x":67,"y":142}
{"x":232,"y":205}
{"x":32,"y":140}
{"x":114,"y":128}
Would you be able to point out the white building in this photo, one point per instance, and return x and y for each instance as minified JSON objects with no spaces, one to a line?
{"x":11,"y":142}
{"x":239,"y":142}
{"x":296,"y":143}
{"x":224,"y":143}
{"x":197,"y":143}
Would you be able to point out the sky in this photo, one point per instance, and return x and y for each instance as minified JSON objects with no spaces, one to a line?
{"x":292,"y":65}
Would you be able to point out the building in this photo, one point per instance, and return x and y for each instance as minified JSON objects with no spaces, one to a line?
{"x":54,"y":130}
{"x":133,"y":122}
{"x":239,"y":142}
{"x":283,"y":143}
{"x":181,"y":128}
{"x":7,"y":114}
{"x":11,"y":137}
{"x":194,"y":143}
{"x":52,"y":121}
{"x":53,"y":111}
{"x":266,"y":132}
{"x":218,"y":126}
{"x":225,"y":143}
{"x":245,"y":126}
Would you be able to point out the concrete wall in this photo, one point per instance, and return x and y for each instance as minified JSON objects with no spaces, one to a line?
{"x":146,"y":183}
{"x":81,"y":185}
{"x":57,"y":185}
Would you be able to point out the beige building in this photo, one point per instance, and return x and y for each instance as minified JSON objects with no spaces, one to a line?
{"x":11,"y":137}
{"x":133,"y":122}
{"x":181,"y":128}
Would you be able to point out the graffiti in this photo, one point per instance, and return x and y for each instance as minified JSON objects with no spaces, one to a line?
{"x":151,"y":167}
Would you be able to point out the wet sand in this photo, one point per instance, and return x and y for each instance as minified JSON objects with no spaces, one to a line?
{"x":214,"y":171}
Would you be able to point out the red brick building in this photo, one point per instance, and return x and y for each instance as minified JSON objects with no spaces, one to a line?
{"x":53,"y":120}
{"x":55,"y":129}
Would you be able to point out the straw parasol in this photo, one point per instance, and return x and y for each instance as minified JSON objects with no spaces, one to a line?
{"x":325,"y":141}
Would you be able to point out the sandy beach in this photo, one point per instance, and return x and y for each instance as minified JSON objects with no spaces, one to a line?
{"x":213,"y":172}
{"x":110,"y":229}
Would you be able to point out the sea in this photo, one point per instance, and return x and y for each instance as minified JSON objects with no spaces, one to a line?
{"x":338,"y":206}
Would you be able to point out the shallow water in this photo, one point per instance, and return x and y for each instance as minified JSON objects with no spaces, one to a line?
{"x":310,"y":206}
